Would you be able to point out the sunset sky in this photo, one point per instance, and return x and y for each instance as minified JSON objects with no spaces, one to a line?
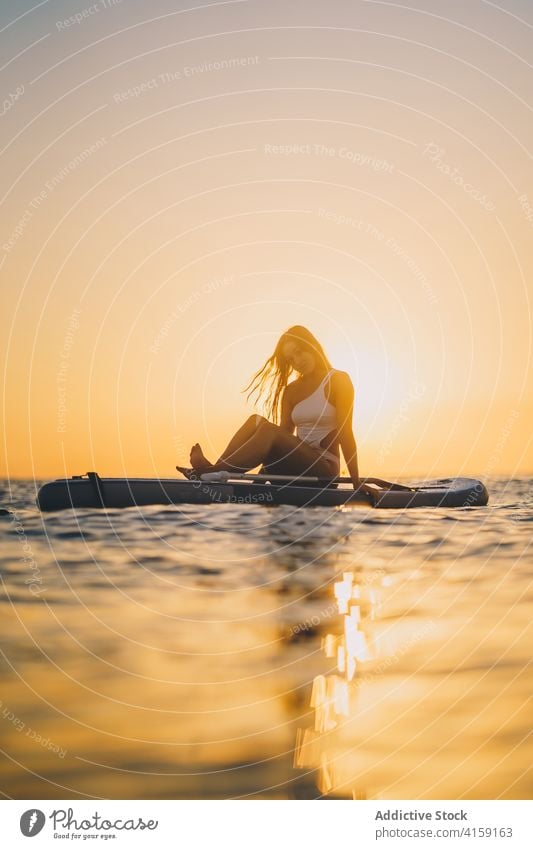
{"x":181,"y":182}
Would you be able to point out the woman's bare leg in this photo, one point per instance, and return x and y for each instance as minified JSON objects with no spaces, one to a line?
{"x":198,"y":459}
{"x":259,"y":441}
{"x":245,"y":450}
{"x":241,"y":437}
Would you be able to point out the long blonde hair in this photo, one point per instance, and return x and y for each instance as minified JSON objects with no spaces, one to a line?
{"x":273,"y":377}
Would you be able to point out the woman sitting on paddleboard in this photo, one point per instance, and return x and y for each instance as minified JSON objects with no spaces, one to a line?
{"x":319,"y":403}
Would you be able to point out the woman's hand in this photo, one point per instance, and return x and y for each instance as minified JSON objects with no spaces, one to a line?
{"x":365,"y":488}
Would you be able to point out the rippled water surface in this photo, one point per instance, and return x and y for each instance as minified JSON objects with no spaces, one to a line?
{"x":242,"y":651}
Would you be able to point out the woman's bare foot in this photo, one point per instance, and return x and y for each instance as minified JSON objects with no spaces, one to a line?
{"x":199,"y":464}
{"x":198,"y":461}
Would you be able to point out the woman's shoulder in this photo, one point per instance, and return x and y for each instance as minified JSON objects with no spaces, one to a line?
{"x":290,"y":387}
{"x":341,"y":377}
{"x":340,"y":383}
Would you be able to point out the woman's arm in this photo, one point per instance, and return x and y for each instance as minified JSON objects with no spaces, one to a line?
{"x":344,"y":399}
{"x":286,"y":422}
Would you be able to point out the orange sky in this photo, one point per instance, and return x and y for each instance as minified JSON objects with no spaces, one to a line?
{"x":180,"y":188}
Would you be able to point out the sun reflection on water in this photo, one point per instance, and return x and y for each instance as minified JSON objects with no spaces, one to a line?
{"x":333,"y":695}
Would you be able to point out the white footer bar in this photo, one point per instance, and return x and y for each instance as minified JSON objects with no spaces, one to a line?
{"x":266,"y":824}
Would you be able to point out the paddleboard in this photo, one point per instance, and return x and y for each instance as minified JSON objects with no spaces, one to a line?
{"x":89,"y":491}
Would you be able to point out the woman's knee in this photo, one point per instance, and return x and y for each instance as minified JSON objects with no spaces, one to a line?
{"x":259,"y":421}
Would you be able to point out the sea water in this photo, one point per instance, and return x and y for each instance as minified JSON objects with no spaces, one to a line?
{"x":245,"y":651}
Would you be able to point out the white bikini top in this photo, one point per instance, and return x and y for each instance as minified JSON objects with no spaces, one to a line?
{"x":315,"y":417}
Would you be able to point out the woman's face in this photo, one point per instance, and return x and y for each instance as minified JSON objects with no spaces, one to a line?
{"x":300,"y":358}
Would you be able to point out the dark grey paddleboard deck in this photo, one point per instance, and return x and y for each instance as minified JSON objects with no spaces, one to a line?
{"x":79,"y":492}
